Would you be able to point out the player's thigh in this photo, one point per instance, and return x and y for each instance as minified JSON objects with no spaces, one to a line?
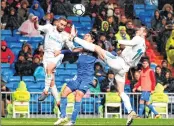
{"x":116,"y":64}
{"x":66,"y":92}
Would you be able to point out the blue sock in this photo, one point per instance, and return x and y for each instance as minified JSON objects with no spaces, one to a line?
{"x":63,"y":104}
{"x":141,"y":109}
{"x":75,"y":112}
{"x":152,"y":109}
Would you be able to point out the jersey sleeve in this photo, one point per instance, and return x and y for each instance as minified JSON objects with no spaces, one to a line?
{"x":44,"y":28}
{"x":69,"y":44}
{"x":132,"y":42}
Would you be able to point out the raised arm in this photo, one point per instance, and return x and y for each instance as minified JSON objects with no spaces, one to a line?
{"x":132,"y":42}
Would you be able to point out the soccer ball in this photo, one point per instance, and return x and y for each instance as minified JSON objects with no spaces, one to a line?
{"x":78,"y":9}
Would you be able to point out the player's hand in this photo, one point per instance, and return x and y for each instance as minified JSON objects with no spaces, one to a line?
{"x":35,"y":19}
{"x":57,"y":52}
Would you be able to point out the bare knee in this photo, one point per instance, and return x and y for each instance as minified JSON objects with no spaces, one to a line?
{"x":79,"y":96}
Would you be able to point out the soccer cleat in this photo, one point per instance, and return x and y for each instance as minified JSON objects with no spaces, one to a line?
{"x":157,"y":116}
{"x":131,"y":116}
{"x":61,"y":120}
{"x":42,"y":97}
{"x":69,"y":124}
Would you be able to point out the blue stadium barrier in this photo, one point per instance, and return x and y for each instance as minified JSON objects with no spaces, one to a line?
{"x":15,"y":45}
{"x":28,"y":78}
{"x":35,"y":90}
{"x":34,"y":104}
{"x":40,"y":79}
{"x":6,"y":33}
{"x":46,"y":107}
{"x":88,"y":105}
{"x":33,"y":85}
{"x":42,"y":85}
{"x":127,"y":88}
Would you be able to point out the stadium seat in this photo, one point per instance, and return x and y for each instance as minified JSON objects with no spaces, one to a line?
{"x":78,"y":26}
{"x":139,"y":6}
{"x":35,"y":90}
{"x":28,"y":78}
{"x":3,"y":37}
{"x":58,"y":16}
{"x":32,"y":85}
{"x":7,"y":72}
{"x":5,"y":65}
{"x":150,"y":7}
{"x":10,"y":85}
{"x":113,"y":100}
{"x":10,"y":39}
{"x":16,"y":52}
{"x":71,"y":66}
{"x":127,"y":88}
{"x":40,"y":79}
{"x":85,"y":19}
{"x":6,"y":33}
{"x":42,"y":85}
{"x":73,"y":18}
{"x":61,"y":66}
{"x":138,"y":11}
{"x":59,"y":79}
{"x":16,"y":33}
{"x":15,"y":45}
{"x":36,"y":40}
{"x":14,"y":79}
{"x":24,"y":39}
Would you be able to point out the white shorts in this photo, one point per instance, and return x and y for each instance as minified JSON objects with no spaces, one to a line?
{"x":119,"y":66}
{"x":51,"y":59}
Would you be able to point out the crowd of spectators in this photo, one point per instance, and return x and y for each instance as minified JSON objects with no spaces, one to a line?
{"x":111,"y":24}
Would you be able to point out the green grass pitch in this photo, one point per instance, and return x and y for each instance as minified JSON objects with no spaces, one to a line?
{"x":50,"y":122}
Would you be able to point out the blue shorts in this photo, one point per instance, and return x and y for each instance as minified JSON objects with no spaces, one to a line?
{"x":145,"y":96}
{"x":80,"y":84}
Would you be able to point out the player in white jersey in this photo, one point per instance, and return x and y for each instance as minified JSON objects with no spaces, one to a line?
{"x":55,"y":39}
{"x":130,"y":56}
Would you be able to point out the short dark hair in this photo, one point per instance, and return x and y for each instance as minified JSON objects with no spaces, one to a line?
{"x":62,"y":18}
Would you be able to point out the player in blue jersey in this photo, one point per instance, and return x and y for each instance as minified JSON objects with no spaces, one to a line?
{"x":79,"y":85}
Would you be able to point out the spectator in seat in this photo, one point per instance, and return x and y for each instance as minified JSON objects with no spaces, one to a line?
{"x":47,"y":5}
{"x":68,"y":26}
{"x":15,"y":4}
{"x":23,"y":67}
{"x":4,"y":7}
{"x":99,"y":19}
{"x":168,"y":82}
{"x":134,"y":80}
{"x":112,"y":24}
{"x":39,"y":51}
{"x":24,"y":10}
{"x":95,"y":86}
{"x":121,"y":35}
{"x":99,"y":71}
{"x":92,"y":9}
{"x":14,"y":20}
{"x":164,"y":67}
{"x":130,"y":29}
{"x":117,"y":14}
{"x":103,"y":5}
{"x":123,"y":20}
{"x":170,"y":49}
{"x":27,"y":51}
{"x":5,"y":98}
{"x":28,"y":29}
{"x":158,"y":75}
{"x":7,"y":56}
{"x":61,"y":7}
{"x":170,"y":18}
{"x":36,"y":62}
{"x":156,"y":20}
{"x":166,"y":9}
{"x":37,"y":10}
{"x":47,"y":19}
{"x":109,"y":83}
{"x":4,"y":19}
{"x":105,"y":27}
{"x":106,"y":43}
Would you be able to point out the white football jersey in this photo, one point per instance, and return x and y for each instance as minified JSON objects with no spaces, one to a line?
{"x":55,"y":40}
{"x":134,"y":49}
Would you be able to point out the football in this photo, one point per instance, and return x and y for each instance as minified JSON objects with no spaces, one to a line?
{"x":78,"y":9}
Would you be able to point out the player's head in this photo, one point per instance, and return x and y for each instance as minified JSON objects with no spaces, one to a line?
{"x":142,"y":31}
{"x":61,"y":24}
{"x":145,"y":62}
{"x":90,"y":37}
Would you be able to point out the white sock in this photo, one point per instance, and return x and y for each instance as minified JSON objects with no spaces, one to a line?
{"x":85,"y":44}
{"x":48,"y":79}
{"x":126,"y":101}
{"x":55,"y":93}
